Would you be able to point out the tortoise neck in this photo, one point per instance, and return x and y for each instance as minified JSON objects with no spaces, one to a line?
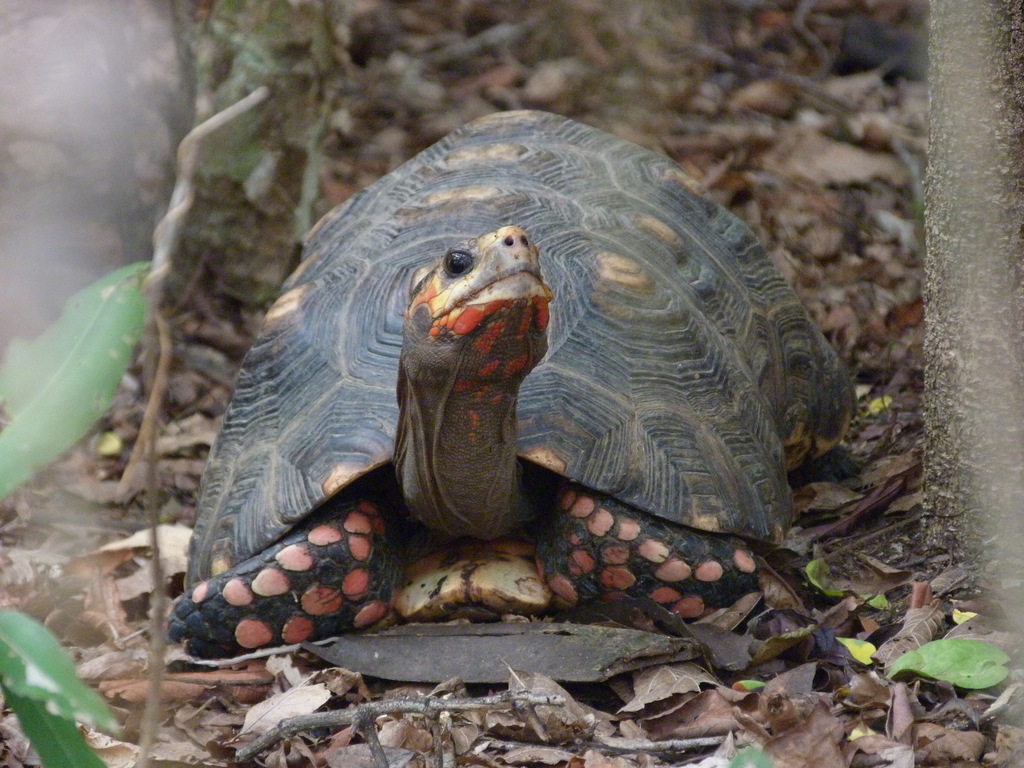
{"x":456,"y":444}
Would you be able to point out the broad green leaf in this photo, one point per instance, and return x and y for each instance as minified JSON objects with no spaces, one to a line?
{"x":55,"y":387}
{"x":861,"y":650}
{"x":55,"y":738}
{"x":34,"y":666}
{"x":750,"y":757}
{"x":957,"y":660}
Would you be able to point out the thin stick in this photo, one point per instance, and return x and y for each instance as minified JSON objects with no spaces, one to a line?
{"x":367,"y":713}
{"x":165,"y":239}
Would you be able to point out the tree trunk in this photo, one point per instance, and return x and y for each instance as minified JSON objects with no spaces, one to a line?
{"x":974,"y":346}
{"x":258,"y":177}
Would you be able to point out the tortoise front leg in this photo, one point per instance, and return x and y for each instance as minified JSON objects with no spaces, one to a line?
{"x":336,"y":572}
{"x":593,"y":547}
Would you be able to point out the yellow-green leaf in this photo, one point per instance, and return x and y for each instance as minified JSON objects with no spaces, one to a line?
{"x":861,"y":650}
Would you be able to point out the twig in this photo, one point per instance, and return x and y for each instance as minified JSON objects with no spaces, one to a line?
{"x":630,"y":746}
{"x":165,"y":239}
{"x":366,"y":714}
{"x":157,"y":609}
{"x":811,"y":39}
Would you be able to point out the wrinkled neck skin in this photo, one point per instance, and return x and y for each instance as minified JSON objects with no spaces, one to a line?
{"x":455,"y":450}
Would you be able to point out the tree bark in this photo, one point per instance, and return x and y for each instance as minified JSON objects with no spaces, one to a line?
{"x":974,"y":347}
{"x":258,"y":177}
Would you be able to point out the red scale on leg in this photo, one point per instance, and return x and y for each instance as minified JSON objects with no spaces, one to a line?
{"x":356,"y":584}
{"x":329,"y":576}
{"x":253,"y":633}
{"x":319,"y":600}
{"x":357,"y":522}
{"x":580,"y":562}
{"x":359,"y":547}
{"x":615,"y":554}
{"x":639,"y":555}
{"x":297,"y":630}
{"x":324,"y":535}
{"x":237,"y":592}
{"x":370,"y":614}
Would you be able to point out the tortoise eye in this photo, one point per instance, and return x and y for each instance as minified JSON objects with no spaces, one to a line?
{"x":458,"y":263}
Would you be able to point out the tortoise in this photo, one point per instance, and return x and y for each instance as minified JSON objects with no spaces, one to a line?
{"x":421,"y":389}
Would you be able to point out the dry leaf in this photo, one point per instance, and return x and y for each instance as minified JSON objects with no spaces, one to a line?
{"x":303,"y":700}
{"x":708,"y":713}
{"x":814,"y":742}
{"x":804,"y":154}
{"x":537,"y":755}
{"x":664,"y":681}
{"x":114,"y":752}
{"x":935,"y":745}
{"x":920,"y":626}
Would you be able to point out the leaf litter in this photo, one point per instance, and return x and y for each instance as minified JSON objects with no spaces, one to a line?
{"x":826,"y":170}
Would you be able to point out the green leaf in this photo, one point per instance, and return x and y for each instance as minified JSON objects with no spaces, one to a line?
{"x":34,"y":666}
{"x":861,"y":650}
{"x":55,"y":738}
{"x":750,"y":757}
{"x":748,"y":685}
{"x":881,"y":602}
{"x":819,"y":575}
{"x":55,"y":387}
{"x":957,"y":660}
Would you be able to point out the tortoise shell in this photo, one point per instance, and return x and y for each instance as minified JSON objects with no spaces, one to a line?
{"x":683,"y":375}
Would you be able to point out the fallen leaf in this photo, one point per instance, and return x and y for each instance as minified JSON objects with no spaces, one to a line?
{"x":114,"y":752}
{"x":936,"y":745}
{"x":861,"y":650}
{"x":302,"y":700}
{"x":815,"y":742}
{"x":919,"y":627}
{"x":965,"y":663}
{"x":708,"y":713}
{"x":805,"y":155}
{"x":663,"y":681}
{"x":358,"y":756}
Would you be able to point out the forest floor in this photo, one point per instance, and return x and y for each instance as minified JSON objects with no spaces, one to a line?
{"x":807,"y":120}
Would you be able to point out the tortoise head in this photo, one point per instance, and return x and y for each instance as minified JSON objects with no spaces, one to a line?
{"x":475,"y":326}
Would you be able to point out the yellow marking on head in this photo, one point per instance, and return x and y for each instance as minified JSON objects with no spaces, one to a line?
{"x":463,"y":195}
{"x":287,"y":307}
{"x":440,"y":302}
{"x":659,"y":229}
{"x":623,"y":271}
{"x":546,"y":458}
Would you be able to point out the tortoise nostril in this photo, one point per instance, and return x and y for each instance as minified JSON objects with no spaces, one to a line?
{"x":510,"y":241}
{"x":524,"y":242}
